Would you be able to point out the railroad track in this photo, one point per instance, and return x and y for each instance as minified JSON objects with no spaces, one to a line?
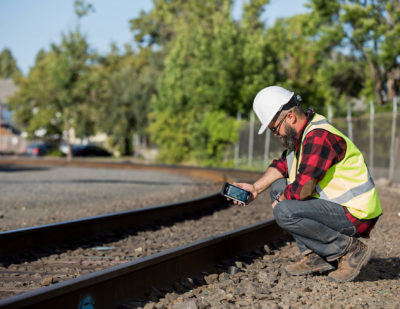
{"x":37,"y":256}
{"x":22,"y":240}
{"x":126,"y":278}
{"x":120,"y":284}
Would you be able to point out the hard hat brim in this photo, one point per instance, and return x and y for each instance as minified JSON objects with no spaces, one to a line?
{"x":262,"y":129}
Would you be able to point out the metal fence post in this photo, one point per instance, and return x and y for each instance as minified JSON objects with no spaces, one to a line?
{"x":236,"y":158}
{"x":392,"y":141}
{"x":251,"y":139}
{"x":349,"y":124}
{"x":267,"y":145}
{"x":330,"y":113}
{"x":371,"y":136}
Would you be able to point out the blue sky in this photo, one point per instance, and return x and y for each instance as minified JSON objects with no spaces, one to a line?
{"x":26,"y":26}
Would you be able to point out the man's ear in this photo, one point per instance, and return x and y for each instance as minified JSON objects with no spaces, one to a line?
{"x":292,"y":117}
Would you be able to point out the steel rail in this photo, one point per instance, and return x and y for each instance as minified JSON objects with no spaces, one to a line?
{"x":22,"y":240}
{"x":120,"y":284}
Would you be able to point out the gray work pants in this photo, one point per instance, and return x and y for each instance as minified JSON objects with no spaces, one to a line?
{"x":317,"y":225}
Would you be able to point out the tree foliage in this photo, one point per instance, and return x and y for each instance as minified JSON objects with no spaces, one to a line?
{"x":8,"y":65}
{"x":125,"y":85}
{"x":258,"y":61}
{"x":55,"y":96}
{"x":200,"y":77}
{"x":370,"y":30}
{"x":82,"y":8}
{"x":194,"y":67}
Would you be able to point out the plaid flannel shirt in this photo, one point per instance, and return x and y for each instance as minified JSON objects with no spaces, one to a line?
{"x":321,"y":150}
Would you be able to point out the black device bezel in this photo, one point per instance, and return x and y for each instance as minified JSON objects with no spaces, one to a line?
{"x":225,"y":190}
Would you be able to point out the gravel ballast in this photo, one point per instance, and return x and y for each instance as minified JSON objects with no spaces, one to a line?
{"x":58,"y":194}
{"x":263,"y":283}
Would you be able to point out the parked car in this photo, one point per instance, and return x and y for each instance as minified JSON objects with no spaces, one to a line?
{"x":89,"y":151}
{"x":38,"y":149}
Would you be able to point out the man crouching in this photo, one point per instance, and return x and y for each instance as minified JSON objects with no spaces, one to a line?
{"x":322,"y":192}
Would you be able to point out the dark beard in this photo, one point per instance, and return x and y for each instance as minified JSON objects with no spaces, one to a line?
{"x":290,"y":138}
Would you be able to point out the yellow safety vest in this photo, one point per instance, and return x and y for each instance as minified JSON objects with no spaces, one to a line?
{"x":347,"y":182}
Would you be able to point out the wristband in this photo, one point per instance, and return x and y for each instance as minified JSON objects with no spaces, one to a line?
{"x":278,"y":196}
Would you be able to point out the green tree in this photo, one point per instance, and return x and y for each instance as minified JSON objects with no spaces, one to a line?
{"x":82,"y":8}
{"x":124,"y":90}
{"x":32,"y":104}
{"x":258,"y":59}
{"x":157,"y":27}
{"x":304,"y":49}
{"x":8,"y":65}
{"x":340,"y":79}
{"x":70,"y":81}
{"x":297,"y":56}
{"x":369,"y":29}
{"x":55,"y":95}
{"x":201,"y":78}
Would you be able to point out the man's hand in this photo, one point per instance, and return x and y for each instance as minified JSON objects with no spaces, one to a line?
{"x":280,"y":199}
{"x":262,"y":184}
{"x":248,"y":187}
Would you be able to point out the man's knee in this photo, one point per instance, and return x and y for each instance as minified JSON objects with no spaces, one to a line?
{"x":282,"y":212}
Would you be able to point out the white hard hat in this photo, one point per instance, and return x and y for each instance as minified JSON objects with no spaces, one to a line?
{"x":268,"y":102}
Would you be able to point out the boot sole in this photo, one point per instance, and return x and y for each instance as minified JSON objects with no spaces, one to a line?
{"x":311,"y":271}
{"x":363,"y":262}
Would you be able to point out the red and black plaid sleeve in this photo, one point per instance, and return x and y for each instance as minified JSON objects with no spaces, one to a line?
{"x":281,"y":165}
{"x":321,"y":150}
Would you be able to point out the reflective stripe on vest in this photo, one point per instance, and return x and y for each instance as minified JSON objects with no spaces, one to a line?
{"x":290,"y":159}
{"x":347,"y":196}
{"x":348,"y":182}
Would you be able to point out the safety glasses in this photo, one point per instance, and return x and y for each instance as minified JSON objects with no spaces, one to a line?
{"x":276,"y":128}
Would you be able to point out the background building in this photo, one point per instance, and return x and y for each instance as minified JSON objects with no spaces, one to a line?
{"x":10,"y":137}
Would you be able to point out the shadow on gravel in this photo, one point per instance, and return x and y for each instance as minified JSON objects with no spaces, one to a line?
{"x":10,"y":168}
{"x":102,"y":239}
{"x":380,"y":269}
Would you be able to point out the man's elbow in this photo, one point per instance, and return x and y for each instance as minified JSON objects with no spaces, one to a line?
{"x":308,"y":189}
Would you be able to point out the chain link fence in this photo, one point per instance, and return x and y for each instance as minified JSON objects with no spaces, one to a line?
{"x":376,"y":135}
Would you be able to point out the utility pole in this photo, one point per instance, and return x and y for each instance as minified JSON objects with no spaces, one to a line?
{"x":393,"y":141}
{"x":349,"y":124}
{"x":251,"y":139}
{"x":237,"y":145}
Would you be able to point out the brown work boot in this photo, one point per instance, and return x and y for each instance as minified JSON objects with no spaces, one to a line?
{"x":309,"y":264}
{"x":351,"y":263}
